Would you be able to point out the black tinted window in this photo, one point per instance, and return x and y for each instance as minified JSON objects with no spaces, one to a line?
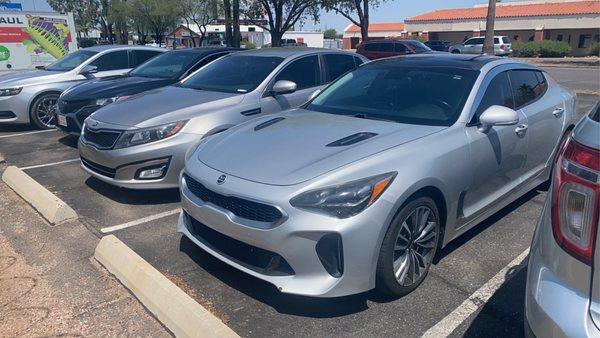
{"x":304,"y":72}
{"x":498,"y":93}
{"x":338,"y":64}
{"x":400,"y":48}
{"x":141,"y":56}
{"x":112,"y":61}
{"x":527,"y":86}
{"x":169,"y":65}
{"x":358,"y":61}
{"x":379,"y":47}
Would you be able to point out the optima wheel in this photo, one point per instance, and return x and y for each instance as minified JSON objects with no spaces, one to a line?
{"x":43,"y":111}
{"x":408,"y":247}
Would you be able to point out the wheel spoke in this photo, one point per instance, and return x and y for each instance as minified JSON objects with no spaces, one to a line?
{"x":401,"y":267}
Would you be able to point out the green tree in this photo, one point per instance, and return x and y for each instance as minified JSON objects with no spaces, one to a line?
{"x":158,"y":16}
{"x":356,"y":11}
{"x":330,"y":33}
{"x":83,"y":13}
{"x":200,"y":12}
{"x":118,"y":15}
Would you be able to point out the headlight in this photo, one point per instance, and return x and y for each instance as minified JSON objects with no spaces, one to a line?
{"x":346,"y":200}
{"x":107,"y":100}
{"x":10,"y":91}
{"x":147,"y":135}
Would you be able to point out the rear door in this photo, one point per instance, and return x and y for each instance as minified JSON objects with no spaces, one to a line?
{"x":139,"y":56}
{"x":306,"y":73}
{"x":337,"y":65}
{"x":544,"y":108}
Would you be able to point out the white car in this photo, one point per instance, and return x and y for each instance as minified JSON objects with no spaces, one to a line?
{"x":474,"y":45}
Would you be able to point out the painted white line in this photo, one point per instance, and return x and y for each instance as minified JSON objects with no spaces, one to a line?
{"x":140,"y":221}
{"x":48,"y":164}
{"x":28,"y":133}
{"x":447,"y":325}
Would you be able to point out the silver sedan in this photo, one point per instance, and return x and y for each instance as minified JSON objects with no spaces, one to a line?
{"x":360,"y":187}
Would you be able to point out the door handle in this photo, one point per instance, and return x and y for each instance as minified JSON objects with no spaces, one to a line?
{"x":521,"y":129}
{"x":558,"y":111}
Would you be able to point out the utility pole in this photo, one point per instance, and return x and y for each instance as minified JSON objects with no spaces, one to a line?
{"x":488,"y":43}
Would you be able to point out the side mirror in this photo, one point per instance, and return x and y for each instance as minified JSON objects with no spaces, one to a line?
{"x":284,"y":87}
{"x":497,"y":116}
{"x":314,"y":94}
{"x":88,"y":71}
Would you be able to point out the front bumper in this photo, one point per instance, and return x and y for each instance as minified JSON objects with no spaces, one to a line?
{"x":121,"y":167}
{"x":295,"y":239}
{"x":14,"y":109}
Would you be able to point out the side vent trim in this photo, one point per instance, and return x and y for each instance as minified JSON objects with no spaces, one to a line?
{"x":268,"y":123}
{"x":352,"y":139}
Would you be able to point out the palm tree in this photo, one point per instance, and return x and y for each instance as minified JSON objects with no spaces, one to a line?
{"x":488,"y":44}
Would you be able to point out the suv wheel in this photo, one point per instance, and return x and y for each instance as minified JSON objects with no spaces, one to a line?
{"x":408,"y":247}
{"x":43,"y":111}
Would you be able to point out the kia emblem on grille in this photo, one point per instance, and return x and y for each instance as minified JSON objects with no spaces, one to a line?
{"x":221,"y":179}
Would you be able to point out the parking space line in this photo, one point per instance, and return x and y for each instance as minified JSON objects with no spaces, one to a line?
{"x":139,"y":221}
{"x":28,"y":133}
{"x":447,"y":325}
{"x":49,"y":164}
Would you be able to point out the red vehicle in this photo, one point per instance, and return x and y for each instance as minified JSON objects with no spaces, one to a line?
{"x":385,"y":48}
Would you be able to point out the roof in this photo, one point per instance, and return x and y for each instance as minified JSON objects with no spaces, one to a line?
{"x":286,"y":52}
{"x":512,"y":11}
{"x":463,"y":61}
{"x":101,"y":48}
{"x":378,"y":27}
{"x":205,"y":50}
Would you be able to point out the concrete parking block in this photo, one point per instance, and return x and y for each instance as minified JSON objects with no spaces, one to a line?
{"x":171,"y":305}
{"x":1,"y":158}
{"x":52,"y":208}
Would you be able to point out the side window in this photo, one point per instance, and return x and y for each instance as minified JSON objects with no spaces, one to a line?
{"x":387,"y":47}
{"x":470,"y":42}
{"x":479,"y":41}
{"x":398,"y":47}
{"x":141,"y":56}
{"x":358,"y":61}
{"x":527,"y":86}
{"x":371,"y":47}
{"x":338,"y":64}
{"x":304,"y":72}
{"x":112,"y":61}
{"x":498,"y":93}
{"x":205,"y":61}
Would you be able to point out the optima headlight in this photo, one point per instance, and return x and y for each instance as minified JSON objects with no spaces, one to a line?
{"x":346,"y":200}
{"x":142,"y":136}
{"x":10,"y":91}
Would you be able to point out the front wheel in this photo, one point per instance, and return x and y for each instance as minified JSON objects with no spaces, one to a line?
{"x":408,"y":247}
{"x":455,"y":51}
{"x":43,"y":111}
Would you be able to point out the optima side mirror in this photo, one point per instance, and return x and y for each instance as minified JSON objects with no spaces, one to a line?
{"x":497,"y":116}
{"x":283,"y":87}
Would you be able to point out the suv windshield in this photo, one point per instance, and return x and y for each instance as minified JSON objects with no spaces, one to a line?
{"x":418,"y":46}
{"x":423,"y":96}
{"x":233,"y":74}
{"x":70,"y":61}
{"x":166,"y":65}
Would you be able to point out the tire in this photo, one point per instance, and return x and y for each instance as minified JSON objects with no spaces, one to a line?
{"x":417,"y":253}
{"x":42,"y":112}
{"x":455,"y":51}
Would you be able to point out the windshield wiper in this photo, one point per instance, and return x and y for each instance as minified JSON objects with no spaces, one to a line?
{"x":371,"y":117}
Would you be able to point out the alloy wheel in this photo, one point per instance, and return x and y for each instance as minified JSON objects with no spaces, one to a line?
{"x":415,"y":245}
{"x":46,"y":109}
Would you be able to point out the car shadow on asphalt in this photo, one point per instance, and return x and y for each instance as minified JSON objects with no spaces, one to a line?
{"x":268,"y":294}
{"x":133,"y":197}
{"x":8,"y":128}
{"x":69,"y":141}
{"x":476,"y":230}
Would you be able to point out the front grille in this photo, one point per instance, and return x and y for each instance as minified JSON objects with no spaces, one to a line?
{"x":251,"y":257}
{"x":101,"y":139}
{"x":84,"y":112}
{"x":238,"y":206}
{"x":98,"y":168}
{"x":67,"y":107}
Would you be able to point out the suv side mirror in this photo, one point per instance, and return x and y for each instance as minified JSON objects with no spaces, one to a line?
{"x":497,"y":116}
{"x":88,"y":70}
{"x":284,"y":87}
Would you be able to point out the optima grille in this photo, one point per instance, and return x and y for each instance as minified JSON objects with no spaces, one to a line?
{"x":101,"y":139}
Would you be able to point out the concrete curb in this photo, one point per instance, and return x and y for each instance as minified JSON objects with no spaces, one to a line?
{"x":52,"y":208}
{"x":1,"y":158}
{"x":173,"y":307}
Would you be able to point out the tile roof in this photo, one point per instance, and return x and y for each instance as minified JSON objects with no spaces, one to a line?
{"x":511,"y":11}
{"x":378,"y":27}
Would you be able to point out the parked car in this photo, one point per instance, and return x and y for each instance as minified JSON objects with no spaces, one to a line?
{"x":502,"y":46}
{"x":31,"y":96}
{"x":438,"y":45}
{"x":141,"y":142}
{"x":563,"y":281}
{"x":80,"y":101}
{"x":360,"y":187}
{"x":386,"y":48}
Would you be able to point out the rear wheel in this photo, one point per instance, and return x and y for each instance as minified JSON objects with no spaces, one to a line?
{"x":408,"y":247}
{"x":43,"y":111}
{"x":455,"y":51}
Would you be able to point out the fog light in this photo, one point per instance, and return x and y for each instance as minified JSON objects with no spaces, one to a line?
{"x":152,"y":173}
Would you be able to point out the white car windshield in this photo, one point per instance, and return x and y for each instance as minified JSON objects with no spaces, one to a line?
{"x":70,"y":61}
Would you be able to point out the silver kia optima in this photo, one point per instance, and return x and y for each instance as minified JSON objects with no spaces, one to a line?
{"x":141,"y":142}
{"x":361,"y":186}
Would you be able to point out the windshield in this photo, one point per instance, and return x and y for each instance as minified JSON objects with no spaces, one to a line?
{"x":70,"y":61}
{"x":423,"y":96}
{"x":418,"y":46}
{"x":233,"y":74}
{"x":166,"y":65}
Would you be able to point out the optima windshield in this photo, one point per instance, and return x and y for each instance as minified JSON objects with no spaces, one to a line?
{"x":166,"y":65}
{"x":424,"y":96}
{"x":233,"y":74}
{"x":70,"y":61}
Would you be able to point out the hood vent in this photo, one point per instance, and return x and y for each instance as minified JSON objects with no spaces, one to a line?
{"x":352,"y":139}
{"x":268,"y":123}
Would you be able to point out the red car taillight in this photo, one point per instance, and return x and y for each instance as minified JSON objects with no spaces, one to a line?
{"x":502,"y":47}
{"x":575,"y":199}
